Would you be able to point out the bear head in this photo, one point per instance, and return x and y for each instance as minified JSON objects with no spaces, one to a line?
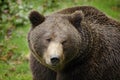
{"x":54,"y":40}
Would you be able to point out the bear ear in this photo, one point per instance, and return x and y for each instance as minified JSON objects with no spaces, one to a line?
{"x":76,"y":18}
{"x":36,"y":18}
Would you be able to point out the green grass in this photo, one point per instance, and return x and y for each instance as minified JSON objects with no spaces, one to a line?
{"x":13,"y":51}
{"x":15,"y":71}
{"x":17,"y":67}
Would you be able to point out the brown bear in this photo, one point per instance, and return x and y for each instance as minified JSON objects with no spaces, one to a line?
{"x":78,"y":43}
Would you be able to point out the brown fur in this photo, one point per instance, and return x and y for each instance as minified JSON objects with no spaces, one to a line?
{"x":91,"y":45}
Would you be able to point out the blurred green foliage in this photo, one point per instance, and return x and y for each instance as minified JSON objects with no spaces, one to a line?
{"x":14,"y":26}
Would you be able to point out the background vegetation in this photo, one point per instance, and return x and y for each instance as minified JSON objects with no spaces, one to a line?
{"x":14,"y":26}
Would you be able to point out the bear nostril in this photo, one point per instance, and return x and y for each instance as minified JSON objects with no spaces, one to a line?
{"x":55,"y":61}
{"x":48,"y":40}
{"x":64,"y":42}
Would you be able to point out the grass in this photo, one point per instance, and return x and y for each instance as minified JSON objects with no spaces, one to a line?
{"x":14,"y":64}
{"x":13,"y":50}
{"x":15,"y":71}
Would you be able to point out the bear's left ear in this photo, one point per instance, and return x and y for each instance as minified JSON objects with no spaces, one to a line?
{"x":36,"y":18}
{"x":76,"y":18}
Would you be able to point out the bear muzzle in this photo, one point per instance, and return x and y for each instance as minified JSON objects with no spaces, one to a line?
{"x":54,"y":54}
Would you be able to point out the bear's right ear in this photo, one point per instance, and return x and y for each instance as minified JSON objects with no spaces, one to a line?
{"x":36,"y":18}
{"x":76,"y":18}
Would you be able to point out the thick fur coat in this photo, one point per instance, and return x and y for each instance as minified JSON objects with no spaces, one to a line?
{"x":90,"y":45}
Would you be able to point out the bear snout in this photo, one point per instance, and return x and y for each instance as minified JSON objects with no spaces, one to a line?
{"x":54,"y":54}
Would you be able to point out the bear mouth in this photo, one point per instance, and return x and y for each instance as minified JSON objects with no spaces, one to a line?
{"x":55,"y":67}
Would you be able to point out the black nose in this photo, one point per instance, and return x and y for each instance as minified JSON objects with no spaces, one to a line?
{"x":55,"y":61}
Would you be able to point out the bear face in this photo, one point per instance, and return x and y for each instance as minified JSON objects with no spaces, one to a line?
{"x":54,"y":40}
